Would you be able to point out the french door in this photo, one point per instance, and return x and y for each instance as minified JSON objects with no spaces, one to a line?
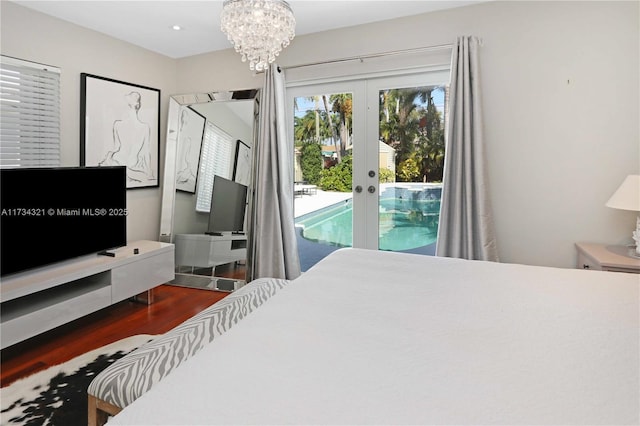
{"x":373,"y":147}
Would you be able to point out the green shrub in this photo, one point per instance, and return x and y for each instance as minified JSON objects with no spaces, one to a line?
{"x":408,"y":170}
{"x":311,"y":162}
{"x":386,"y":175}
{"x":338,"y":177}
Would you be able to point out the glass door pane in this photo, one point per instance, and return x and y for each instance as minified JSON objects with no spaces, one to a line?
{"x":410,"y":160}
{"x":323,"y":202}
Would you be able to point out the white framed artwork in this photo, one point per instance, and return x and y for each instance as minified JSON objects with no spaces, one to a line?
{"x":242,"y":165}
{"x":190,"y":134}
{"x":120,"y":126}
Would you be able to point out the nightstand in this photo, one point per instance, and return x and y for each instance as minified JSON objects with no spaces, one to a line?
{"x":601,"y":257}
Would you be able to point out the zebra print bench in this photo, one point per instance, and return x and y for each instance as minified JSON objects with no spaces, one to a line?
{"x":134,"y":374}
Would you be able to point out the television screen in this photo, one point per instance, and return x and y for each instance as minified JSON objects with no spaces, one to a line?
{"x":228,"y":205}
{"x":53,"y":214}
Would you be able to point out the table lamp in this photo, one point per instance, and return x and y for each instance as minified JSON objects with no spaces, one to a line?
{"x":627,"y":197}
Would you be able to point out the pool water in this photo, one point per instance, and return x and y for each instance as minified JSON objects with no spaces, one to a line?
{"x":404,"y":224}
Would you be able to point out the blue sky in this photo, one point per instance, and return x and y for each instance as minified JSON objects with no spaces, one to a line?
{"x":304,"y":104}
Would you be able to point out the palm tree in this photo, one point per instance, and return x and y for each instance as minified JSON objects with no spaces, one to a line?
{"x":413,"y":130}
{"x":431,"y":141}
{"x":342,"y":104}
{"x":334,"y":135}
{"x":431,"y":154}
{"x":400,"y":120}
{"x":308,"y":129}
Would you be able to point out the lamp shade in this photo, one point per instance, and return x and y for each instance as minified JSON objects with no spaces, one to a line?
{"x":627,"y":197}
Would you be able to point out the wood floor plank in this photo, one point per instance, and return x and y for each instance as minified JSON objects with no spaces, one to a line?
{"x":172,"y":305}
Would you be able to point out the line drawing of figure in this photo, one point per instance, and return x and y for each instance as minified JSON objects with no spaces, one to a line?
{"x":243,"y":170}
{"x":131,"y":142}
{"x":186,"y":174}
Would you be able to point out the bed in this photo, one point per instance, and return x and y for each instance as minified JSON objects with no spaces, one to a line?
{"x":370,"y":337}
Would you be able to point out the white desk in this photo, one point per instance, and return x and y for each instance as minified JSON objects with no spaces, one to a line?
{"x":205,"y":251}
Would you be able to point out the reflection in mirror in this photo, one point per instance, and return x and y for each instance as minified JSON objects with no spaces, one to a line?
{"x":208,"y":135}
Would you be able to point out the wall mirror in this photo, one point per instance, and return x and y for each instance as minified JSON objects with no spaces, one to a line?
{"x":208,"y":164}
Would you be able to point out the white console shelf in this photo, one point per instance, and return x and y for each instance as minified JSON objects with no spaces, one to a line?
{"x":41,"y":299}
{"x":205,"y":251}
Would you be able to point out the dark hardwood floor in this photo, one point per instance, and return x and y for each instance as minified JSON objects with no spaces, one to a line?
{"x":171,"y":306}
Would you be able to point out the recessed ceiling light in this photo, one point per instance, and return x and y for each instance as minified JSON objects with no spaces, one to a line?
{"x":176,"y":27}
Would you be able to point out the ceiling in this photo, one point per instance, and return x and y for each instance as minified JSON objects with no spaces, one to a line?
{"x":148,"y":23}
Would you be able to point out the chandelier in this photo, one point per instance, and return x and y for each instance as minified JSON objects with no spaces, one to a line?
{"x":258,"y":29}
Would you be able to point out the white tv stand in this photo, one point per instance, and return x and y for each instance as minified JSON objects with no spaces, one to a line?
{"x":205,"y":251}
{"x":41,"y":299}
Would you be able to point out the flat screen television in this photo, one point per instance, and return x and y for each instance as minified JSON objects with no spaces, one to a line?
{"x":228,"y":206}
{"x":48,"y":215}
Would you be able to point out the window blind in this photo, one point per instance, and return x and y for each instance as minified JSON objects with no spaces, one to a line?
{"x":215,"y":159}
{"x":30,"y":114}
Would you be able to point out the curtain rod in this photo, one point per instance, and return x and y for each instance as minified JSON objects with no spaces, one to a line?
{"x":373,"y":55}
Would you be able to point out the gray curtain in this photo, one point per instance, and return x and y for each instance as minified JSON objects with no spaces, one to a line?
{"x":272,"y":248}
{"x":466,"y":223}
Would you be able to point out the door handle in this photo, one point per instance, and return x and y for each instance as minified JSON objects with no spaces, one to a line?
{"x":358,"y":189}
{"x":371,"y":189}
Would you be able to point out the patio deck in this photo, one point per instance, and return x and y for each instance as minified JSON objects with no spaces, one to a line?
{"x":310,"y":202}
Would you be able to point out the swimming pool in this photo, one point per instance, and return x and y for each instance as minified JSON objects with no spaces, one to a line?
{"x":408,"y":219}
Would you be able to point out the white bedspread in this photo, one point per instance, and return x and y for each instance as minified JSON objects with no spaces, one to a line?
{"x":369,"y":337}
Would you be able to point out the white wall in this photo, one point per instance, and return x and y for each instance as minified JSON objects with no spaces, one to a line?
{"x":36,"y":37}
{"x":561,"y":115}
{"x":561,"y":104}
{"x":216,"y":71}
{"x":561,"y":96}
